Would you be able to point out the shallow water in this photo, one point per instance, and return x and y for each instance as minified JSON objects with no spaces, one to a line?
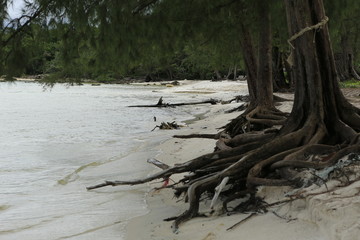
{"x":55,"y":142}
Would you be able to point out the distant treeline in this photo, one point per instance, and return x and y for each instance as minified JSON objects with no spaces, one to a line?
{"x":111,"y":41}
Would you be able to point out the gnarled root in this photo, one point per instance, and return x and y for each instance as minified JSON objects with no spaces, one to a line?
{"x":194,"y":192}
{"x":267,"y":157}
{"x":256,"y":118}
{"x":266,"y":117}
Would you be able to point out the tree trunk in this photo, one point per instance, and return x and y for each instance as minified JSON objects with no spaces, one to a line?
{"x":235,"y":73}
{"x":345,"y":60}
{"x":250,"y":61}
{"x":264,"y":74}
{"x":279,"y":79}
{"x":289,"y":75}
{"x":228,"y":75}
{"x":353,"y":71}
{"x":261,"y":112}
{"x":218,"y":75}
{"x":170,"y":74}
{"x":319,"y":104}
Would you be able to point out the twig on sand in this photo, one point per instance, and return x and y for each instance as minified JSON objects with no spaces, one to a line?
{"x":242,"y":221}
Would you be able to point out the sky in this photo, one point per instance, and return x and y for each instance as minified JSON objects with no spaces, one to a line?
{"x":15,"y":8}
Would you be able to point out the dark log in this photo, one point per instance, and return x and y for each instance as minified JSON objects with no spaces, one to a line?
{"x":160,"y":103}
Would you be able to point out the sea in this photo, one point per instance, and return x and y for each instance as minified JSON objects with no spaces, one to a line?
{"x":56,"y":141}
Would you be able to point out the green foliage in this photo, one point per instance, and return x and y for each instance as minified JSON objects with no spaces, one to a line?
{"x":350,"y":84}
{"x":344,"y":26}
{"x":110,"y":39}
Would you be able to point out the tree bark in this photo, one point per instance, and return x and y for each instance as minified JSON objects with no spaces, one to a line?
{"x":235,"y":73}
{"x":218,"y":75}
{"x":279,"y":79}
{"x":261,"y":112}
{"x":250,"y":61}
{"x":319,"y":103}
{"x":264,"y":72}
{"x":345,"y":60}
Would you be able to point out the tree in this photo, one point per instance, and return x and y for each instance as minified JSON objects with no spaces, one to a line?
{"x":345,"y":34}
{"x":261,"y":112}
{"x":321,"y":122}
{"x":134,"y":37}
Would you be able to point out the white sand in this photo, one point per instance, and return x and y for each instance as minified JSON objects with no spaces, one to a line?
{"x":329,"y":216}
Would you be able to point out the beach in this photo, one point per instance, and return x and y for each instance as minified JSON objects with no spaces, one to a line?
{"x":53,"y":149}
{"x":332,"y":215}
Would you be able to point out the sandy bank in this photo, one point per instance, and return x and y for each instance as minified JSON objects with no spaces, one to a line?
{"x":329,"y":216}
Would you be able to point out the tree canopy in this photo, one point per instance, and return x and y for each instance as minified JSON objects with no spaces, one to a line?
{"x":168,"y":39}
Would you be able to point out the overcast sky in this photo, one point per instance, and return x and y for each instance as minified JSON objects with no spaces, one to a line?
{"x":15,"y":8}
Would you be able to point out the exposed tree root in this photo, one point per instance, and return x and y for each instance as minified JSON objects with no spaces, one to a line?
{"x":281,"y":99}
{"x":321,"y":129}
{"x":242,"y":107}
{"x":252,"y":159}
{"x":266,"y":117}
{"x":321,"y":162}
{"x":256,"y":118}
{"x":274,"y":148}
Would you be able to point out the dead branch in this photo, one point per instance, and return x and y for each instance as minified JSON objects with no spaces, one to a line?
{"x":161,"y":104}
{"x":218,"y":190}
{"x":157,"y":163}
{"x":242,"y":221}
{"x":211,"y":136}
{"x":167,"y":126}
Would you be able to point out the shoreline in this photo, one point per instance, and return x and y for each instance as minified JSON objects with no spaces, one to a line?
{"x":162,"y":204}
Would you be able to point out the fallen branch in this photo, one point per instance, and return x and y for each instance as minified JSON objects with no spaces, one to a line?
{"x":306,"y":29}
{"x":210,"y":136}
{"x":242,"y":107}
{"x":167,"y":126}
{"x":161,"y":104}
{"x":240,"y":98}
{"x":218,"y":190}
{"x":205,"y":135}
{"x":242,"y":221}
{"x":157,"y":163}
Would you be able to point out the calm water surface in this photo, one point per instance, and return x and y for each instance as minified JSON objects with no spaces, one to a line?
{"x":55,"y":142}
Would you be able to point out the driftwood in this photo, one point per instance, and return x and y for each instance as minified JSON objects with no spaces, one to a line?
{"x":205,"y":135}
{"x":246,"y":100}
{"x":242,"y":221}
{"x":157,"y":163}
{"x":167,"y":126}
{"x":153,"y":161}
{"x":242,"y":107}
{"x":240,"y":98}
{"x":161,"y":104}
{"x":162,"y":166}
{"x":218,"y":190}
